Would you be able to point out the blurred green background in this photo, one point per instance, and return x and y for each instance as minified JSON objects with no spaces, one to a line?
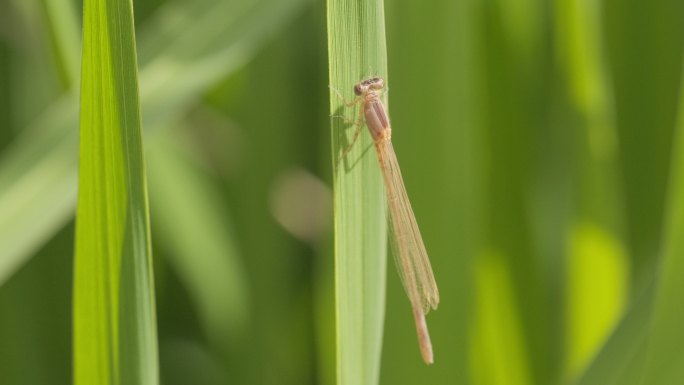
{"x":535,"y":139}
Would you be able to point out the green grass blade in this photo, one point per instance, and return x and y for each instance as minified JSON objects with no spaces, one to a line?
{"x":64,"y":28}
{"x":50,"y":142}
{"x":115,"y":338}
{"x":173,"y":79}
{"x":36,"y":197}
{"x":665,"y":357}
{"x":356,"y":47}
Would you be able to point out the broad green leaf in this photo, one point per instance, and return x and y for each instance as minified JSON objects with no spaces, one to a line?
{"x":356,"y":49}
{"x":115,"y":336}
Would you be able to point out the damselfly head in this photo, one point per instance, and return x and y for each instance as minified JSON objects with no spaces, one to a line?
{"x":374,"y":83}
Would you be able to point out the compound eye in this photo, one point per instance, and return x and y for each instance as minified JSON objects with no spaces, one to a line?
{"x":360,"y":89}
{"x":378,"y":83}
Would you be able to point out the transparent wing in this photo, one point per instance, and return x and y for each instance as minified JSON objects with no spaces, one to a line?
{"x":409,"y":251}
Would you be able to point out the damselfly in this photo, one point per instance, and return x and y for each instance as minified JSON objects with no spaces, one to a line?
{"x":409,"y":251}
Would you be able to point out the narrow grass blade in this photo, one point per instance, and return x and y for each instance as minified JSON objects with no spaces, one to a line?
{"x":356,"y":48}
{"x":64,"y":28}
{"x":665,"y":357}
{"x":115,"y":337}
{"x":183,"y":70}
{"x":49,"y":140}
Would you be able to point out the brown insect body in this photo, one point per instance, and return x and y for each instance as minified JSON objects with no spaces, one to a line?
{"x":409,"y":251}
